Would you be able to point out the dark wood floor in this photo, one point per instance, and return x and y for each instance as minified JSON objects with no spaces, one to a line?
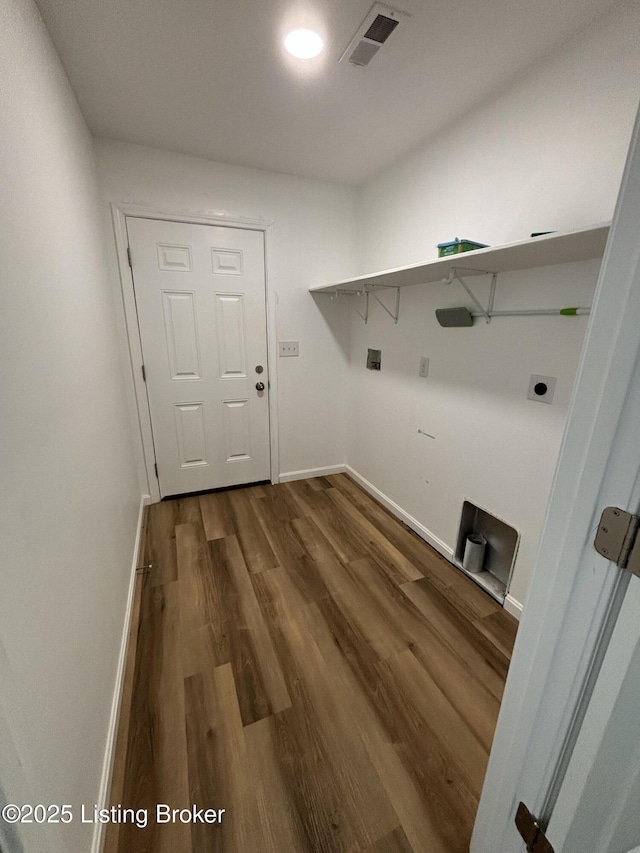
{"x":306,"y":663}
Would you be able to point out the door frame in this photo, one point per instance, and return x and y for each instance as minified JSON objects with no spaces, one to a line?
{"x":119,"y":213}
{"x":575,"y":594}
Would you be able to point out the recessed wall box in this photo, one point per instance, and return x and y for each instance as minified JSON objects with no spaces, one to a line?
{"x":374,"y":359}
{"x":501,"y":548}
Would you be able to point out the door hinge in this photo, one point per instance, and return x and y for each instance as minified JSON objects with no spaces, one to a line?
{"x":155,"y":465}
{"x":144,"y":374}
{"x":617,"y":538}
{"x":129,"y":257}
{"x":531,"y":831}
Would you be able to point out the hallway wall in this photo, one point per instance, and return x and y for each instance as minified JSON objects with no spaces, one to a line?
{"x":70,"y":497}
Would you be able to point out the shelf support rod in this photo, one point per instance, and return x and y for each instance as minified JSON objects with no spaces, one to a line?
{"x":539,"y":312}
{"x":352,"y":293}
{"x":453,"y":274}
{"x":492,"y":293}
{"x":489,"y":313}
{"x":393,"y":314}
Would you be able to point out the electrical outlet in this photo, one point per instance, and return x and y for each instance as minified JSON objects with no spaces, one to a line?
{"x":424,"y":367}
{"x":541,"y":388}
{"x":288,"y":348}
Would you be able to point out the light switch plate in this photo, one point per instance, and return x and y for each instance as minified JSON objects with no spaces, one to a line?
{"x":541,"y":388}
{"x":424,"y":367}
{"x":288,"y":348}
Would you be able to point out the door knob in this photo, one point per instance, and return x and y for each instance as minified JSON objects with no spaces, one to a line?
{"x":259,"y":386}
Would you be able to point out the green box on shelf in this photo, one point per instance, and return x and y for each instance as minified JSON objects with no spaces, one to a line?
{"x":453,"y":247}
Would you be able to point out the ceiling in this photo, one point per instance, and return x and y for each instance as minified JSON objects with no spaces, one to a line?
{"x":210,"y":78}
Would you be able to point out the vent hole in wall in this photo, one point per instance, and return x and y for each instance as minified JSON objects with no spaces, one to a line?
{"x":381,"y":29}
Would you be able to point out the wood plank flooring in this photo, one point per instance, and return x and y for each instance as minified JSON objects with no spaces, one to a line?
{"x":308,"y":664}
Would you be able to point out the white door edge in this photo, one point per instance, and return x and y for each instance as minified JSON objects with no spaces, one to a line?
{"x":543,"y":689}
{"x":141,"y":417}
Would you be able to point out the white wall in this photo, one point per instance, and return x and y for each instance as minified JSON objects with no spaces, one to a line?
{"x":492,"y":446}
{"x":69,"y":492}
{"x":545,"y":155}
{"x":312,"y":242}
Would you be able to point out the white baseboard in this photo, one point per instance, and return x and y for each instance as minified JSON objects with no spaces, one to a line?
{"x":513,"y":606}
{"x":107,"y":765}
{"x":312,"y":472}
{"x":397,"y":510}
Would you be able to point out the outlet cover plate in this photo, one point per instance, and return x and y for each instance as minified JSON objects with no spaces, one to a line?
{"x":541,"y":388}
{"x":288,"y":349}
{"x":424,"y":367}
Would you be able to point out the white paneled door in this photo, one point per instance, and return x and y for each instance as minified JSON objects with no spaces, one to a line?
{"x":200,"y":297}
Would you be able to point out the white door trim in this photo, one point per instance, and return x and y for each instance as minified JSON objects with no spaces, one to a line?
{"x":573,"y":590}
{"x":119,"y":212}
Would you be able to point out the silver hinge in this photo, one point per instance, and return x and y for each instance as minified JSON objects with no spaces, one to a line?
{"x":129,"y":257}
{"x":532,"y":832}
{"x":155,"y":465}
{"x":617,"y":538}
{"x":144,"y":374}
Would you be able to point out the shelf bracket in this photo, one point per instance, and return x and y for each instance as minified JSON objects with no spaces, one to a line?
{"x":453,"y":276}
{"x":489,"y":313}
{"x":492,"y":293}
{"x":393,"y":314}
{"x":352,"y":293}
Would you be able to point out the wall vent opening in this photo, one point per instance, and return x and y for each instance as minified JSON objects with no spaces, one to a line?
{"x":372,"y":33}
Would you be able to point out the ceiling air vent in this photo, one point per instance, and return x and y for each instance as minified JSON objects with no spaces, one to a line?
{"x":372,"y":34}
{"x":381,"y":29}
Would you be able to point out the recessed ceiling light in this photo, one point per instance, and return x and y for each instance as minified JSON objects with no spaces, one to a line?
{"x":305,"y":44}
